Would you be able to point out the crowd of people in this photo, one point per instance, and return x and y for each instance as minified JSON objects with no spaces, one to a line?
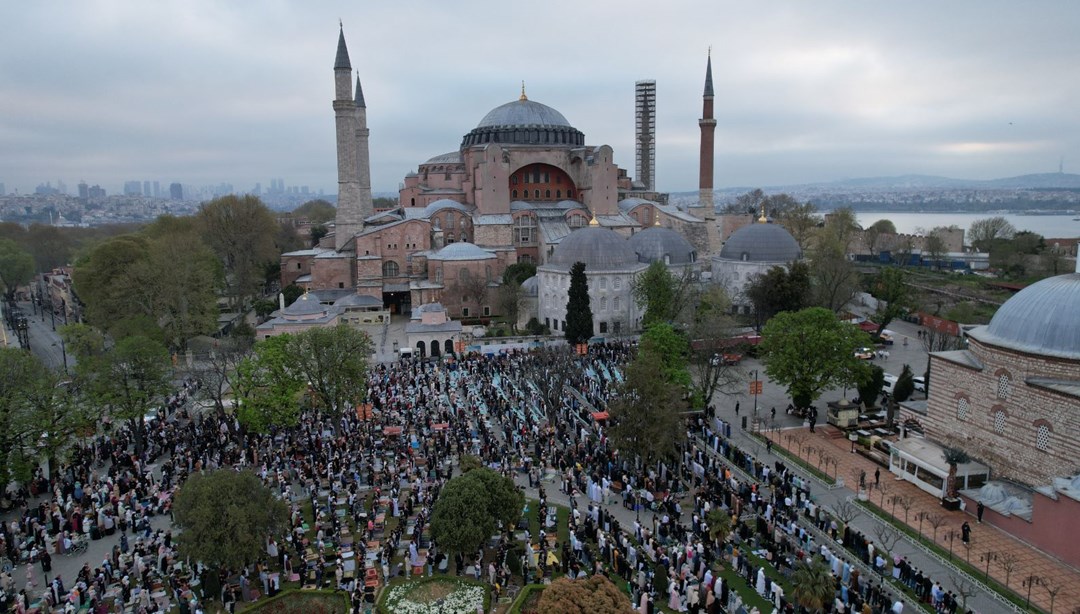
{"x":361,"y":486}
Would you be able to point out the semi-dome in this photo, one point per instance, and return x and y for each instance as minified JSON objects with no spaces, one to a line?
{"x":658,"y":244}
{"x":531,"y":286}
{"x":454,"y":157}
{"x":1041,"y":319}
{"x":761,"y":243}
{"x":523,"y":112}
{"x":462,"y":251}
{"x":524,"y":122}
{"x":444,"y":203}
{"x":599,"y":248}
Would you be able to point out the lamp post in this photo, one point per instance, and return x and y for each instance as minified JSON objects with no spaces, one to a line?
{"x":755,"y":389}
{"x":951,"y":537}
{"x":1030,"y":581}
{"x":63,"y":353}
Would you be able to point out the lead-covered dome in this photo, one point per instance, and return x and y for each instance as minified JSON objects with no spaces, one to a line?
{"x":761,"y":243}
{"x":658,"y":244}
{"x":599,"y":248}
{"x":1043,"y":318}
{"x":524,"y":122}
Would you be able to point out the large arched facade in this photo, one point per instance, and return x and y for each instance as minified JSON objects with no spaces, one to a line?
{"x":541,"y":182}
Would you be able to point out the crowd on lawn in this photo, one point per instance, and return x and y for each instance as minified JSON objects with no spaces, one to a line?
{"x":361,"y":487}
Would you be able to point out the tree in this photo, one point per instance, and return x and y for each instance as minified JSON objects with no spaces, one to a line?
{"x":334,"y":363}
{"x":779,"y":289}
{"x":130,"y":379}
{"x":891,"y":290}
{"x":217,"y":373}
{"x":592,"y":595}
{"x":19,"y":370}
{"x":292,"y":292}
{"x":800,"y":219}
{"x":56,"y":416}
{"x":50,"y":246}
{"x":316,"y":211}
{"x":644,"y":419}
{"x":103,"y":279}
{"x":834,"y":279}
{"x":785,"y":344}
{"x":518,"y":272}
{"x":579,"y":317}
{"x":661,"y":294}
{"x":241,"y":231}
{"x":870,"y":385}
{"x":841,"y":228}
{"x":471,"y":506}
{"x":746,"y":203}
{"x":225,"y":518}
{"x":812,"y":585}
{"x":474,"y":287}
{"x":710,"y":328}
{"x":934,"y":246}
{"x":905,"y":385}
{"x":983,"y":232}
{"x":16,"y":267}
{"x":267,"y":389}
{"x":873,"y":235}
{"x":719,"y":522}
{"x":953,"y":457}
{"x":509,"y":300}
{"x":670,"y":346}
{"x":177,"y":282}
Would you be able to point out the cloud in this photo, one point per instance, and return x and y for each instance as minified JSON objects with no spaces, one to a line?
{"x":203,"y":92}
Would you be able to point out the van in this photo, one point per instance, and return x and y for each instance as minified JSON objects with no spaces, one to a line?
{"x":890,"y":384}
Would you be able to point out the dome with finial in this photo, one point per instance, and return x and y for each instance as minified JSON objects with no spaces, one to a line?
{"x":761,"y":242}
{"x":1040,"y":319}
{"x":524,"y":122}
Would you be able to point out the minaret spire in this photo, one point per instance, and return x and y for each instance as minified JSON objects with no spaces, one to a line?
{"x":708,"y":75}
{"x":360,"y":104}
{"x":354,"y":174}
{"x":705,"y":171}
{"x":342,"y":60}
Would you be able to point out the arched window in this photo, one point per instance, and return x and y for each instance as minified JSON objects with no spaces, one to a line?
{"x":569,"y":193}
{"x":618,"y":283}
{"x":603,"y":283}
{"x":547,"y":193}
{"x":438,"y":275}
{"x":558,"y":193}
{"x":390,"y":269}
{"x":615,"y":304}
{"x":463,"y":274}
{"x":449,"y":346}
{"x":525,"y":230}
{"x":963,"y":408}
{"x":1004,"y":387}
{"x":1042,"y":437}
{"x":999,"y":422}
{"x":536,"y":194}
{"x":603,"y":303}
{"x":514,"y":193}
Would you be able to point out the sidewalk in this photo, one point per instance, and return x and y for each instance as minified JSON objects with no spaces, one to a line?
{"x":985,"y":539}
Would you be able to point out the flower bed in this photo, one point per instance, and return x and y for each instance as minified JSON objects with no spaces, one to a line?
{"x":443,"y":594}
{"x":528,"y":600}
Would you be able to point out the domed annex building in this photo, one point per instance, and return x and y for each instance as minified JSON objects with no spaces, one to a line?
{"x":1011,"y":400}
{"x":519,"y":184}
{"x":749,"y":251}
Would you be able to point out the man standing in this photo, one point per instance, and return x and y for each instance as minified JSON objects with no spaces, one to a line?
{"x":979,"y":512}
{"x":965,"y":531}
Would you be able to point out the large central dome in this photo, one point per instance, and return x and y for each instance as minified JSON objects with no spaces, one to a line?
{"x":1041,"y":319}
{"x":523,"y":113}
{"x":524,"y":122}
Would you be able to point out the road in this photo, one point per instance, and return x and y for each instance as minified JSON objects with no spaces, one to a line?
{"x":44,"y":341}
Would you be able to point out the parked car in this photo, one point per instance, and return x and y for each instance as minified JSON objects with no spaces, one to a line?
{"x":890,"y":384}
{"x":920,"y":383}
{"x":864,"y":353}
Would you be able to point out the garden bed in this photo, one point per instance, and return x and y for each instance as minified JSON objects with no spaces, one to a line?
{"x":442,"y":594}
{"x":303,"y":602}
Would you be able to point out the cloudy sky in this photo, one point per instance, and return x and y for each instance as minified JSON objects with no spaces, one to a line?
{"x":205,"y":92}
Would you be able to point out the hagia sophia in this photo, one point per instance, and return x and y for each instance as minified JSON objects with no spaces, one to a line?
{"x":522,"y":186}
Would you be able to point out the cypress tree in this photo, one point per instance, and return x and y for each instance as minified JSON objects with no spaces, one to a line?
{"x":579,"y":318}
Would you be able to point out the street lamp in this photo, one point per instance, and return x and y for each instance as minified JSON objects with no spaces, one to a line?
{"x":63,"y":352}
{"x":1030,"y":581}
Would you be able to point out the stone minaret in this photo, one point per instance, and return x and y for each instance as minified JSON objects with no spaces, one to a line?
{"x":354,"y":178}
{"x":705,"y":172}
{"x":708,"y":127}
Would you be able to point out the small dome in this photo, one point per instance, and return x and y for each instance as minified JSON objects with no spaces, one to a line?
{"x":444,"y":203}
{"x":599,"y":248}
{"x":462,"y":251}
{"x":761,"y":243}
{"x":523,"y":113}
{"x":307,"y":304}
{"x":531,"y":286}
{"x":654,"y":243}
{"x":1041,"y":319}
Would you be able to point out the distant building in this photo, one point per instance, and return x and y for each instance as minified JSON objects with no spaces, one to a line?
{"x":132,"y":188}
{"x":146,"y":190}
{"x":176,"y":191}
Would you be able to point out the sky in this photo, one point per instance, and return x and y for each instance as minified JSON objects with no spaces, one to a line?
{"x":204,"y":92}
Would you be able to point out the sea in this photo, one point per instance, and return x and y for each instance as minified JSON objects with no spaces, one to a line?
{"x":1049,"y":226}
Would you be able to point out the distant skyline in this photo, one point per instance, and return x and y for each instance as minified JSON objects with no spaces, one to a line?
{"x":206,"y":92}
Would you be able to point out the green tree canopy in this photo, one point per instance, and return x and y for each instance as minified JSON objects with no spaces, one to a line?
{"x":592,"y":595}
{"x":24,"y":384}
{"x":334,"y":362}
{"x":812,"y":585}
{"x":225,"y":518}
{"x":579,"y":317}
{"x":316,"y":211}
{"x":645,"y":421}
{"x":671,"y":347}
{"x":16,"y":267}
{"x":870,"y":385}
{"x":984,"y":232}
{"x":811,"y":350}
{"x":470,"y":507}
{"x":905,"y":385}
{"x":661,"y":294}
{"x":518,"y":272}
{"x":267,"y":389}
{"x":709,"y":330}
{"x":241,"y":231}
{"x":779,"y":289}
{"x":890,"y":287}
{"x":873,"y":235}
